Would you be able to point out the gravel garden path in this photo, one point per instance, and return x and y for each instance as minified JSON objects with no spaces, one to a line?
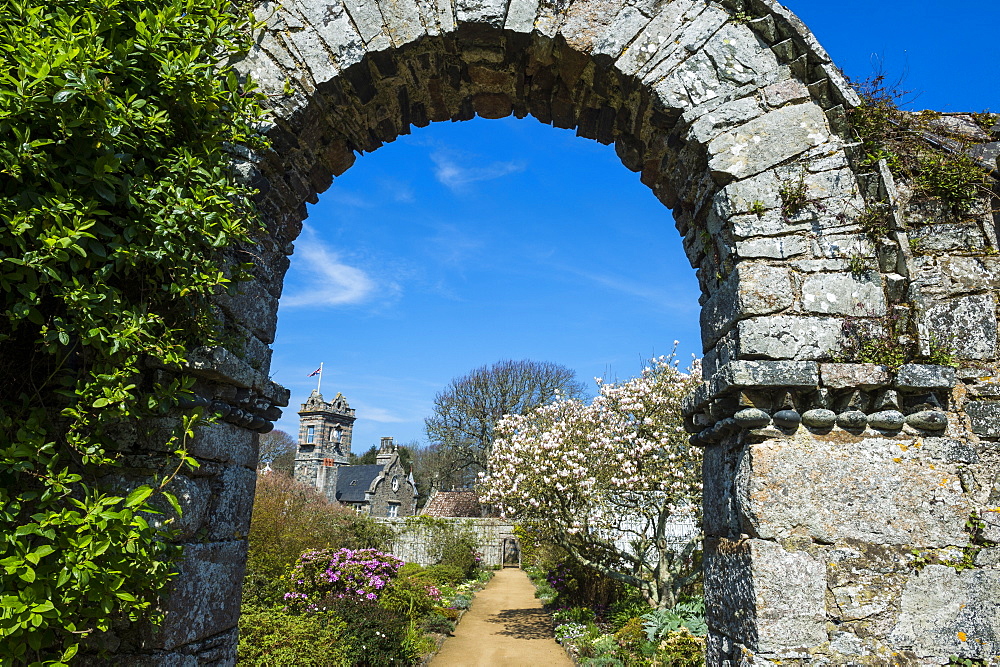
{"x":506,"y":627}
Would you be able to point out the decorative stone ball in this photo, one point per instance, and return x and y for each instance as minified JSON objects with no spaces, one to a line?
{"x":221,"y":408}
{"x":819,"y":418}
{"x":787,"y":419}
{"x":928,"y":420}
{"x":887,"y":420}
{"x":852,"y":420}
{"x":192,"y":401}
{"x":752,"y":418}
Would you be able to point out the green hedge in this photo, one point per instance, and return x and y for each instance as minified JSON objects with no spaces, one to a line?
{"x":116,"y":202}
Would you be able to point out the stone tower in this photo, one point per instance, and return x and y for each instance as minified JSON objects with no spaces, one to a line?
{"x":324,"y":441}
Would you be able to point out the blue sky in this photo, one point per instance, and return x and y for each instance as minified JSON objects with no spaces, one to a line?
{"x":466,"y":243}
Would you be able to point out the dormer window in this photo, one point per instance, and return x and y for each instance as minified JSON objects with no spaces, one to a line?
{"x":310,"y":435}
{"x":354,"y":482}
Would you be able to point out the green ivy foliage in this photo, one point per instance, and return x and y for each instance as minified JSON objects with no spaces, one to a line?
{"x":117,"y":204}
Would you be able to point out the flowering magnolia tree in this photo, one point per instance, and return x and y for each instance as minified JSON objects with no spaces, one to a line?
{"x":338,"y":573}
{"x":614,"y":482}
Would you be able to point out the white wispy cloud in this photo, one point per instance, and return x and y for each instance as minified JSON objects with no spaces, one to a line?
{"x":325,"y":280}
{"x":665,"y":298}
{"x":377,"y":414}
{"x":456,"y":176}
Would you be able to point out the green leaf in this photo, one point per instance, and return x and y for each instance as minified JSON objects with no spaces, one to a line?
{"x":138,"y":496}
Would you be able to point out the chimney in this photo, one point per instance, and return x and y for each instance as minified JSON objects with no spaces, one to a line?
{"x":385,"y":451}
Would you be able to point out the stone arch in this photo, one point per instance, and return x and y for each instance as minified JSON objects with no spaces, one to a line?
{"x":737,"y":120}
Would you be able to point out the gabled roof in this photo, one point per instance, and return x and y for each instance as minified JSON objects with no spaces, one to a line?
{"x":453,"y":503}
{"x":354,"y":481}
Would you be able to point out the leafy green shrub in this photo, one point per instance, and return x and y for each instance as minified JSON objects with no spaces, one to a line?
{"x":410,"y":596}
{"x":437,"y":623}
{"x":411,"y":569}
{"x":271,"y":637}
{"x":631,"y":635}
{"x":682,"y":649}
{"x":574,"y":615}
{"x":442,"y":574}
{"x":448,"y":613}
{"x":378,"y":636}
{"x":690,"y":614}
{"x":459,"y":551}
{"x":460,"y":602}
{"x":118,"y":201}
{"x":630,"y":605}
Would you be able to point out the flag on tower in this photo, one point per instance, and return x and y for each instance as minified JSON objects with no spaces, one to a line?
{"x":316,"y":372}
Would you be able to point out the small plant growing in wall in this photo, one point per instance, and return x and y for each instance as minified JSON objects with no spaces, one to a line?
{"x":758,"y":208}
{"x":795,"y":197}
{"x":898,"y":137}
{"x":876,"y":221}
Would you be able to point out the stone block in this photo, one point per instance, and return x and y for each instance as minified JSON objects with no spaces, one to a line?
{"x":763,"y":596}
{"x":966,"y":324}
{"x":232,"y":504}
{"x":225,"y":443}
{"x":713,"y":123}
{"x":781,"y":93}
{"x":253,"y":307}
{"x":985,"y":418}
{"x":844,"y":294}
{"x":864,"y":376}
{"x":204,"y":599}
{"x":749,"y":374}
{"x":768,"y":140}
{"x":874,"y":490}
{"x":923,"y":376}
{"x":367,"y":17}
{"x":945,"y":612}
{"x":947,"y":237}
{"x":490,"y":12}
{"x":739,"y":197}
{"x":789,"y":337}
{"x":780,"y":247}
{"x":402,"y":19}
{"x":752,"y":289}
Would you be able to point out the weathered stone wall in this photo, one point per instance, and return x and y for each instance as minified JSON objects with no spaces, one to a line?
{"x":821,"y":479}
{"x":418,"y":543}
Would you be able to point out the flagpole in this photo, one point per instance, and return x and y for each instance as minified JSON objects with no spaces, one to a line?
{"x":319,"y":381}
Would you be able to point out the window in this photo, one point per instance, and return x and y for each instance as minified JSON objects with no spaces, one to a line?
{"x":359,"y":508}
{"x":328,"y":463}
{"x":354,"y":482}
{"x":393,"y":510}
{"x":310,"y":434}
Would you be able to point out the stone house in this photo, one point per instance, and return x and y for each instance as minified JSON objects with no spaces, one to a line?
{"x":383,"y":489}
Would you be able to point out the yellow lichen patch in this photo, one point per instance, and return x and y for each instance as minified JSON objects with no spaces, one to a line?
{"x":898,"y":460}
{"x":962,"y":636}
{"x":903,"y":447}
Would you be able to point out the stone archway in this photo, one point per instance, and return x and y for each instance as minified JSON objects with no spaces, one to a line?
{"x":737,"y":120}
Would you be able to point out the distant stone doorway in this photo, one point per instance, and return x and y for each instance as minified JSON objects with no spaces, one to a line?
{"x":511,"y":552}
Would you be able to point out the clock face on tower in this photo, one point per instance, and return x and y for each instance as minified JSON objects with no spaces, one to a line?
{"x":395,"y":483}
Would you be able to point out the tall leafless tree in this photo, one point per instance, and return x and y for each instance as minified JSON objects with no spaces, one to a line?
{"x":467,"y":410}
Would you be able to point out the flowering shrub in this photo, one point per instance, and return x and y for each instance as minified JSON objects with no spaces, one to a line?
{"x":567,"y":633}
{"x":608,"y":481}
{"x":342,"y":573}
